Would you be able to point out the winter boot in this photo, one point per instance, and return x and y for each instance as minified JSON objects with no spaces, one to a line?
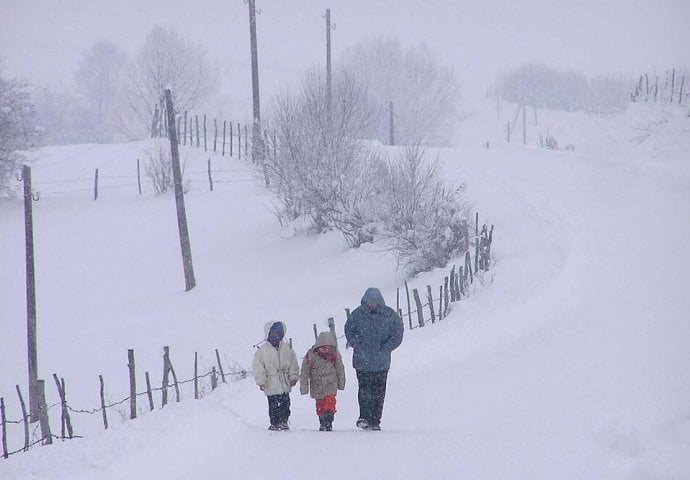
{"x":363,"y":424}
{"x":274,"y":427}
{"x":284,"y":425}
{"x":328,"y":420}
{"x":322,"y":423}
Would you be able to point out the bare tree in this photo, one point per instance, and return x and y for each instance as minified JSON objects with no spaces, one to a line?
{"x":426,"y":94}
{"x":169,"y":60}
{"x":18,"y":129}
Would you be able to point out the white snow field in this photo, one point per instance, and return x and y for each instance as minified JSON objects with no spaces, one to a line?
{"x":570,"y":362}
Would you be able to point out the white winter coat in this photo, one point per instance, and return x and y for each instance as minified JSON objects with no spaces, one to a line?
{"x":275,"y":368}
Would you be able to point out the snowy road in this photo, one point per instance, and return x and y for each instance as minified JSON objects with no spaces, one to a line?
{"x":571,"y":363}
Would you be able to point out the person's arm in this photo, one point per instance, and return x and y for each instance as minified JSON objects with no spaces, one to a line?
{"x":340,"y":371}
{"x":259,"y":370}
{"x":395,"y":334}
{"x":351,"y":331}
{"x":293,"y":372}
{"x":304,"y":375}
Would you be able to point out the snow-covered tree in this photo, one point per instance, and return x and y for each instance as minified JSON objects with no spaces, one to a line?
{"x":100,"y":80}
{"x":18,"y":129}
{"x":425,"y":94}
{"x":169,"y":60}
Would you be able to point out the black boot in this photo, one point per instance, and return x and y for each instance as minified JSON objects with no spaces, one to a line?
{"x":322,"y":423}
{"x":328,"y":421}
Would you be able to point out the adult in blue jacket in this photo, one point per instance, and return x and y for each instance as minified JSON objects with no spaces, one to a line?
{"x":374,"y":331}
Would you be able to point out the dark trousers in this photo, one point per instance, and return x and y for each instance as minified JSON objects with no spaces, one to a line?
{"x":372,"y":392}
{"x":279,"y":408}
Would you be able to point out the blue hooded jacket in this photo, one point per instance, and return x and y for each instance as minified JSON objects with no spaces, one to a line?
{"x":373,"y":335}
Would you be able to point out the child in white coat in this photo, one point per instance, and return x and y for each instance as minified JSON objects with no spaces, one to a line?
{"x":276,"y":371}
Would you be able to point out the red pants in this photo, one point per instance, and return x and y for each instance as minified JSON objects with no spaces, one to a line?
{"x":325,"y":404}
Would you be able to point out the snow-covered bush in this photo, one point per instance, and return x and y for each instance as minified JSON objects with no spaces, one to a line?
{"x":320,"y":167}
{"x":18,"y":129}
{"x":158,"y":166}
{"x":426,"y":220}
{"x":425,"y":94}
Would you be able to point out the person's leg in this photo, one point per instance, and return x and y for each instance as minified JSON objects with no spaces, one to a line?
{"x":364,"y":396}
{"x":329,"y":412}
{"x":273,"y":410}
{"x":320,"y":410}
{"x":378,"y":395}
{"x":285,"y":410}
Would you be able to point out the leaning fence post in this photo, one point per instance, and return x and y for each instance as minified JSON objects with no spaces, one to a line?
{"x":70,"y":430}
{"x":132,"y":385}
{"x":25,"y":419}
{"x":418,"y":303}
{"x":440,"y":303}
{"x":172,"y":371}
{"x":331,"y":327}
{"x":102,"y":391}
{"x":3,"y":419}
{"x":46,"y":435}
{"x":166,"y":373}
{"x":210,"y":179}
{"x":149,"y":392}
{"x":63,"y":406}
{"x":409,"y":306}
{"x":430,"y":297}
{"x":139,"y":176}
{"x":196,"y":376}
{"x":220,"y":367}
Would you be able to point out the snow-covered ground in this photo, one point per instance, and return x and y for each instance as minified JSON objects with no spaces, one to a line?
{"x":570,"y":362}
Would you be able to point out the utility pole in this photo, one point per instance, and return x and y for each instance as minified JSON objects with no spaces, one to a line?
{"x":34,"y":395}
{"x":329,"y":97}
{"x":189,"y":280}
{"x":256,"y":126}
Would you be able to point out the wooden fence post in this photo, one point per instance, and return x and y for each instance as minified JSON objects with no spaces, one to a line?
{"x":102,"y":392}
{"x":205,"y":132}
{"x":440,"y":303}
{"x":214,"y":379}
{"x":95,"y":185}
{"x":461,"y":279}
{"x":445,"y":296}
{"x":166,"y":373}
{"x":452,"y":284}
{"x":220,"y":367}
{"x":185,"y":129}
{"x":246,"y":141}
{"x":224,"y":124}
{"x":210,"y":179}
{"x":62,"y":405}
{"x":418,"y":303}
{"x":46,"y":435}
{"x":231,"y":140}
{"x":25,"y":419}
{"x":172,"y":372}
{"x":215,"y":134}
{"x":331,"y":327}
{"x":132,"y":385}
{"x":196,"y":124}
{"x":196,"y":376}
{"x":3,"y":419}
{"x":239,"y":142}
{"x":316,"y":333}
{"x":149,"y":392}
{"x":139,"y":176}
{"x":409,"y":306}
{"x":430,"y":298}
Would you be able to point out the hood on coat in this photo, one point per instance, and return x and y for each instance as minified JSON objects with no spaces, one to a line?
{"x":373,"y":295}
{"x":267,"y":328}
{"x":324,"y":338}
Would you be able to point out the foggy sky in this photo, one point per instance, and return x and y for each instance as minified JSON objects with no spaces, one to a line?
{"x":42,"y":40}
